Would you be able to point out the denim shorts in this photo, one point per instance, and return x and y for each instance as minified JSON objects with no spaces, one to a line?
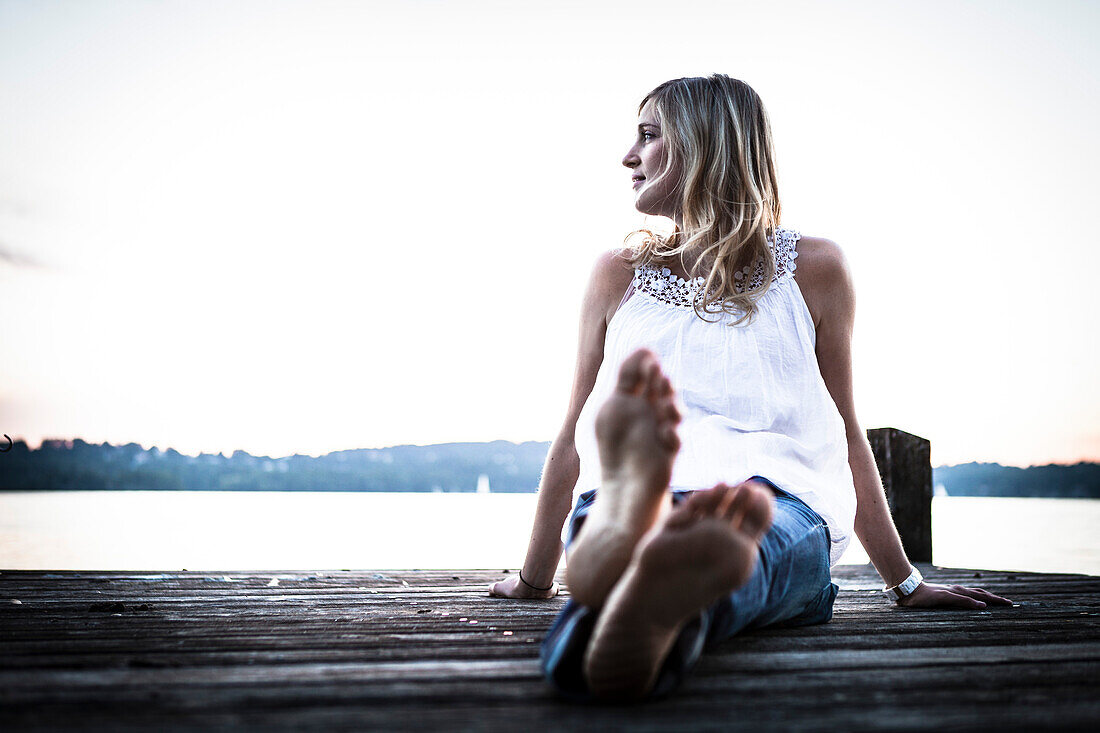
{"x":790,"y":586}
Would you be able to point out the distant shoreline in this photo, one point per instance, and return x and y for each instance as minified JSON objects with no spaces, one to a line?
{"x":498,"y":467}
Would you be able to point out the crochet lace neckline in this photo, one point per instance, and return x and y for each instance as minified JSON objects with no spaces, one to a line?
{"x":659,"y":282}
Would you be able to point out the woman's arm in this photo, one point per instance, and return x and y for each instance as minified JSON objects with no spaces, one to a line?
{"x":826,"y":284}
{"x":610,"y":278}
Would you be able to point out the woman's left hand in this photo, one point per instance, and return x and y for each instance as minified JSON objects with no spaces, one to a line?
{"x":934,"y":595}
{"x":515,"y":588}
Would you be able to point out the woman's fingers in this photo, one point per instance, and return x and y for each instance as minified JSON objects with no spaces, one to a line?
{"x":983,"y":595}
{"x":951,"y":599}
{"x":934,"y":595}
{"x":931,"y":595}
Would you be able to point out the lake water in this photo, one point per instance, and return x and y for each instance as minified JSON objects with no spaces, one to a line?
{"x":198,"y":530}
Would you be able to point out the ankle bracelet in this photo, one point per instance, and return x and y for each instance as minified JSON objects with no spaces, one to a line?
{"x":533,"y":586}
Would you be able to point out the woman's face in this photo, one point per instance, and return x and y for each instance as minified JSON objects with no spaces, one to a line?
{"x":653,"y":193}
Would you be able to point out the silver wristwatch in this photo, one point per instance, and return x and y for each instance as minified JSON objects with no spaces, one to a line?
{"x":905,"y":587}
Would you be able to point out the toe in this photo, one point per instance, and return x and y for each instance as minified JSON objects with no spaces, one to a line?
{"x":681,"y":515}
{"x":666,"y":412}
{"x":708,"y":502}
{"x":755,"y":507}
{"x":669,"y":438}
{"x":653,"y":379}
{"x":633,"y":371}
{"x":695,"y":501}
{"x":733,"y":509}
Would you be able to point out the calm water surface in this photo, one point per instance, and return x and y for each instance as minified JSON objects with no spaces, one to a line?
{"x":167,"y":530}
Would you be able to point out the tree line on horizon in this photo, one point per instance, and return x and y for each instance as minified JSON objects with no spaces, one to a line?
{"x":449,"y":467}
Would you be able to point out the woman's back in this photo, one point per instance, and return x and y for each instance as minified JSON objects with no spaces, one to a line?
{"x":752,"y":396}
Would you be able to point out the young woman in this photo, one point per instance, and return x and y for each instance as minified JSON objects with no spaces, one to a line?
{"x":711,"y":440}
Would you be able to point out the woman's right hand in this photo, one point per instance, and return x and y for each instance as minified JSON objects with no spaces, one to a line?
{"x":515,"y":588}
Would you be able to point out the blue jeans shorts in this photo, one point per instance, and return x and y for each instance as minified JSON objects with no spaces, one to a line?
{"x":790,"y":586}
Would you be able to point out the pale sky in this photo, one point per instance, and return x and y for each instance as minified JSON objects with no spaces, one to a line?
{"x":292,"y":227}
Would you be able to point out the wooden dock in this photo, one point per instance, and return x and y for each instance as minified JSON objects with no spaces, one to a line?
{"x":413,"y":650}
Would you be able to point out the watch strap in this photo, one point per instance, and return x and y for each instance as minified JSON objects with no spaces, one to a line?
{"x":905,"y":587}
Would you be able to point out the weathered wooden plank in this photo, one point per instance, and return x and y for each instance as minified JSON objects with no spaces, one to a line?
{"x":364,"y":649}
{"x":732,"y":715}
{"x":840,"y":712}
{"x":307,"y":671}
{"x":731,"y":657}
{"x":497,"y":682}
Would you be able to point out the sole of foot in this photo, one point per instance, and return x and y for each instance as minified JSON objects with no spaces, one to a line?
{"x":703,"y":549}
{"x":637,"y":440}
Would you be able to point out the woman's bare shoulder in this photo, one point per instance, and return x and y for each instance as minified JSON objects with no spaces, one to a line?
{"x":818,"y":256}
{"x":823,"y":276}
{"x":612,"y":274}
{"x":613,"y":266}
{"x":821,"y":261}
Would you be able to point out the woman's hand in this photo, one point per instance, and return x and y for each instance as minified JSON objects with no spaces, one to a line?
{"x":934,"y":595}
{"x":515,"y":588}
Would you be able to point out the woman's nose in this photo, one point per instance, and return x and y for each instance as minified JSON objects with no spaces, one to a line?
{"x":630,"y":160}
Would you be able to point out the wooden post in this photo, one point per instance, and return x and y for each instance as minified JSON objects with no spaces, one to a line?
{"x":905,"y":465}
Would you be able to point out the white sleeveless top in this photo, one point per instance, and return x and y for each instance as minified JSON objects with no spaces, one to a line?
{"x":752,"y":397}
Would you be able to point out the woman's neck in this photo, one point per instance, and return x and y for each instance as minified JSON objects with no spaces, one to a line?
{"x":681,"y":265}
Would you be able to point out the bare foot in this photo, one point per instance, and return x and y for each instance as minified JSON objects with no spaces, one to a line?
{"x":705,"y":548}
{"x":636,"y":434}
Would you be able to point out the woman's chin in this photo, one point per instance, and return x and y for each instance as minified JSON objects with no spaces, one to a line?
{"x":647,"y":207}
{"x":648,"y":211}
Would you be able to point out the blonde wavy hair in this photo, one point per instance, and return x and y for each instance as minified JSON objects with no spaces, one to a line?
{"x":718,"y":135}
